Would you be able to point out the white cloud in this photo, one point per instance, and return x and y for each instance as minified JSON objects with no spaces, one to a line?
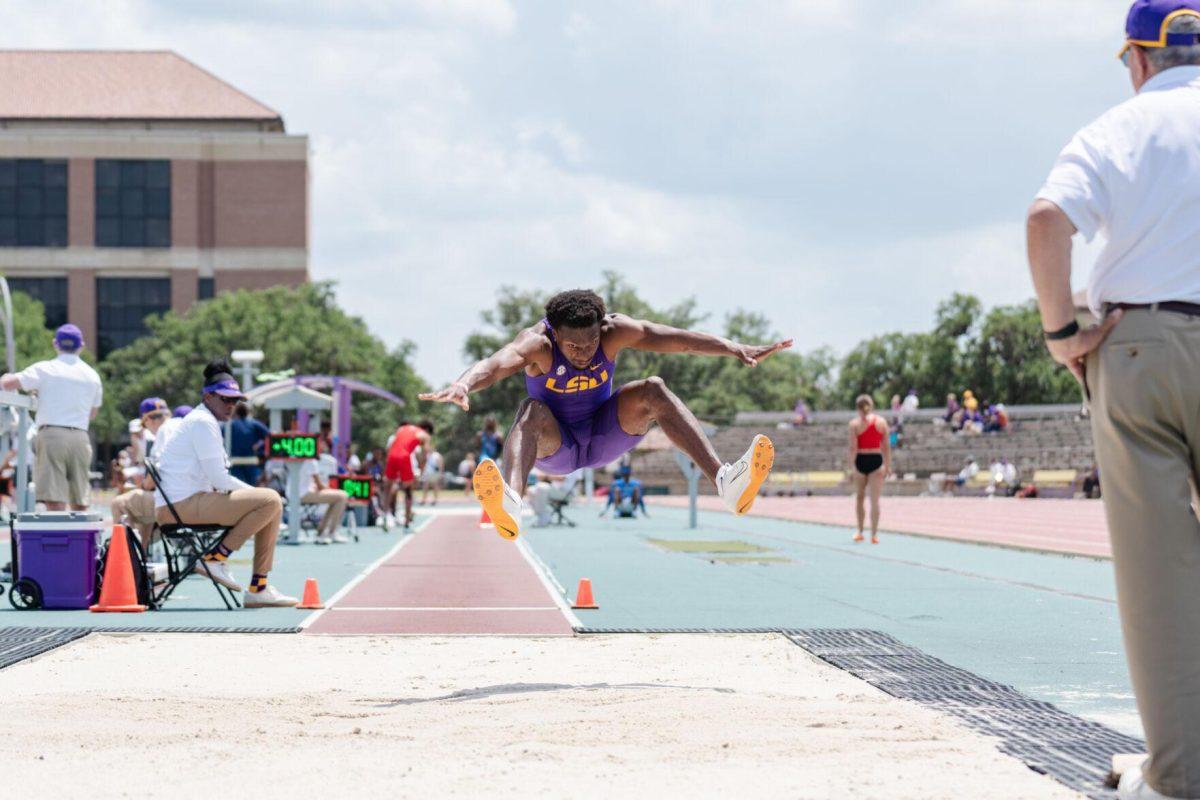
{"x":790,"y":158}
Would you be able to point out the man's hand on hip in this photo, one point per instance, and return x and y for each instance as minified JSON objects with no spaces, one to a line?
{"x":1074,"y":351}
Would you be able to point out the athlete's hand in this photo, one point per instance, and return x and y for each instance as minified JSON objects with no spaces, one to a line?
{"x":751,"y":354}
{"x":454,"y":393}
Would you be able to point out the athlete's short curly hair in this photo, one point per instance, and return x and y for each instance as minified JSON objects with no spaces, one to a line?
{"x":578,"y":308}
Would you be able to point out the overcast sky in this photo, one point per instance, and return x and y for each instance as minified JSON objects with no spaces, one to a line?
{"x":840,"y":166}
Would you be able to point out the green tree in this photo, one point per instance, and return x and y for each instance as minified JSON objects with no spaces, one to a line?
{"x":33,"y":341}
{"x":296,"y":328}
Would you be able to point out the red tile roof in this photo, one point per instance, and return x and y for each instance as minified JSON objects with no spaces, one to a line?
{"x":110,"y":85}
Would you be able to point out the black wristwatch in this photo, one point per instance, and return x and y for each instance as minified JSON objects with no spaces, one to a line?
{"x":1065,"y":332}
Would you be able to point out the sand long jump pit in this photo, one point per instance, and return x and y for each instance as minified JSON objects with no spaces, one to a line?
{"x":295,"y":716}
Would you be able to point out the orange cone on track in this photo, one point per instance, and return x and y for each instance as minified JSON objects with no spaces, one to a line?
{"x":484,"y":520}
{"x":312,"y":596}
{"x":118,"y":591}
{"x":583,"y":595}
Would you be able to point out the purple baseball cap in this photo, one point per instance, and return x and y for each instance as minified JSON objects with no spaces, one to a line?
{"x":225,"y":386}
{"x":181,"y":411}
{"x":68,"y":338}
{"x":1146,"y":25}
{"x":151,"y":405}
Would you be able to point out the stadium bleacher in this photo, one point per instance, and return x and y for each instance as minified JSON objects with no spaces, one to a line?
{"x":1039,"y":438}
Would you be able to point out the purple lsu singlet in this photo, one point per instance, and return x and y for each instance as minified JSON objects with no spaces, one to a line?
{"x":573,"y":395}
{"x":585,"y":405}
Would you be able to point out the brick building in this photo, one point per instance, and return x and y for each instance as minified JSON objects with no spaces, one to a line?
{"x":136,"y":182}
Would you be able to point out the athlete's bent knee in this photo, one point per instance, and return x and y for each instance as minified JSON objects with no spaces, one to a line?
{"x":533,"y":411}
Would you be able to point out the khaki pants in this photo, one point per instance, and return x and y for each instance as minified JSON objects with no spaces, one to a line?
{"x":251,"y":512}
{"x":336,"y":499}
{"x":1145,"y":389}
{"x":137,"y":508}
{"x":64,"y":456}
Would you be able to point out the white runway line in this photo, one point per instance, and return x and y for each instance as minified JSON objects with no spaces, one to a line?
{"x":556,"y":590}
{"x":356,"y":580}
{"x":446,"y":608}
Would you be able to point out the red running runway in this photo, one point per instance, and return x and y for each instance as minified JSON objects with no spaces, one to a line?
{"x":449,"y":578}
{"x":1057,"y":526}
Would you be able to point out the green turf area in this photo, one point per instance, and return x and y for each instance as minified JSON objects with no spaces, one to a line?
{"x":702,"y":546}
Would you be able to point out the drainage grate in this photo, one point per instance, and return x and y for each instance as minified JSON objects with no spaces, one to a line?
{"x":1074,"y":751}
{"x":18,"y":644}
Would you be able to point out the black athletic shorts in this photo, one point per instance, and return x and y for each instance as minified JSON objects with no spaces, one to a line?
{"x":866,"y":463}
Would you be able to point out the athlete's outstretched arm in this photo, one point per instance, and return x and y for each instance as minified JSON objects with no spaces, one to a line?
{"x":508,"y":360}
{"x":641,"y":334}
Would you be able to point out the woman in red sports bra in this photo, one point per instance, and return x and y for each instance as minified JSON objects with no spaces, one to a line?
{"x":870,"y":462}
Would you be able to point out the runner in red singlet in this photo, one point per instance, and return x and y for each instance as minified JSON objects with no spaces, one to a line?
{"x":402,"y":468}
{"x":870,"y":462}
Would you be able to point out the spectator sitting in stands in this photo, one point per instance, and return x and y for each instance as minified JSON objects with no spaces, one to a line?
{"x":969,"y":402}
{"x":911,"y":402}
{"x":952,"y":409}
{"x":800,"y":414}
{"x":1091,"y":483}
{"x":965,"y":474}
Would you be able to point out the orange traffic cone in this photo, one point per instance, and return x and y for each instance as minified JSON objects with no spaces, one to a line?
{"x":118,"y":592}
{"x":484,"y":520}
{"x":312,"y":596}
{"x":583,"y":595}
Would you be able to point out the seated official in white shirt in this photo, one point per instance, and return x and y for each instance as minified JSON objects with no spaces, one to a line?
{"x":195,"y":477}
{"x":314,"y":482}
{"x":69,"y":395}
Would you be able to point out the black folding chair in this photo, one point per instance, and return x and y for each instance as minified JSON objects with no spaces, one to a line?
{"x":185,"y":546}
{"x":557,"y":517}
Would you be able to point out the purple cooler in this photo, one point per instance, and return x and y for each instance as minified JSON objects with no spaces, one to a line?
{"x":57,"y":550}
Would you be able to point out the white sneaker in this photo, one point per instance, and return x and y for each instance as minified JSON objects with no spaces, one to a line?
{"x":389,"y":521}
{"x":738,"y":483}
{"x":323,"y":539}
{"x":269,"y":597}
{"x":1134,"y":787}
{"x":340,"y":538}
{"x":219,"y":572}
{"x":503,"y":505}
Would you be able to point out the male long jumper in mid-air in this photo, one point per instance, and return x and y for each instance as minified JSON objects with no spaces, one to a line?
{"x":573,"y":417}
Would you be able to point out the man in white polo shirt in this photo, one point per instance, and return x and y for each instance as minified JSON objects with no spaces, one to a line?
{"x":195,"y":476}
{"x":69,"y":395}
{"x":1134,"y":176}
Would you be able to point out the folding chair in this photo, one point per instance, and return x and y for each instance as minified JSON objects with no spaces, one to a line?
{"x":557,"y":517}
{"x":185,"y":546}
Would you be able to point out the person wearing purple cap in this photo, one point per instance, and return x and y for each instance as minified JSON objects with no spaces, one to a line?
{"x":69,"y":395}
{"x":1134,"y":175}
{"x":195,"y":475}
{"x":181,"y":411}
{"x":136,"y":507}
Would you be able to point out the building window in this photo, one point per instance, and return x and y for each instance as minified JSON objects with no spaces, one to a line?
{"x":133,"y":203}
{"x":122,"y":305}
{"x":33,"y":202}
{"x":52,"y":292}
{"x":206,"y":289}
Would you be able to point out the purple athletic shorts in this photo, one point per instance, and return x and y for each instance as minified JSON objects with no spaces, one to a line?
{"x":593,"y":442}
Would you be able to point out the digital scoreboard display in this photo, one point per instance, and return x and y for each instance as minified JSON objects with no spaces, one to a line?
{"x":292,"y":446}
{"x":358,"y":487}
